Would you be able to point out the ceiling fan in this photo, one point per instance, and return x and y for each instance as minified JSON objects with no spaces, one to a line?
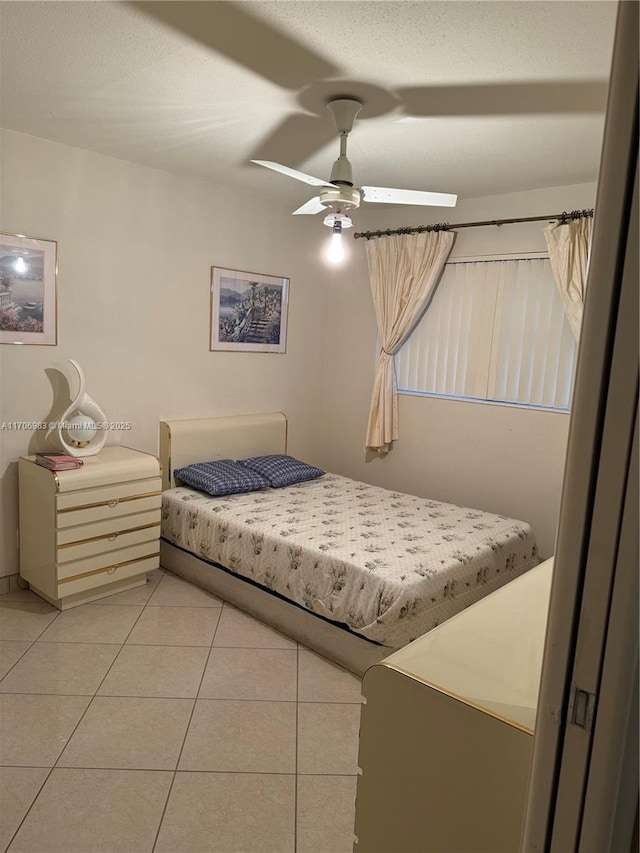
{"x":338,"y":194}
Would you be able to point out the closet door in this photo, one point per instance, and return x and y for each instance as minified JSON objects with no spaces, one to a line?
{"x":583,"y":791}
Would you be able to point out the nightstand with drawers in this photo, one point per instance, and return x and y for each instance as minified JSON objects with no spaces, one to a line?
{"x":91,"y":531}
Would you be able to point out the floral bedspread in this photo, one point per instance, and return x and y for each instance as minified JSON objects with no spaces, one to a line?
{"x":388,"y":565}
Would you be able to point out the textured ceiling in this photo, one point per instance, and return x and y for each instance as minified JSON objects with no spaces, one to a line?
{"x":473,"y":98}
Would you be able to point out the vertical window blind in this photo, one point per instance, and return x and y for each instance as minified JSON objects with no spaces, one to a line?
{"x":495,"y":330}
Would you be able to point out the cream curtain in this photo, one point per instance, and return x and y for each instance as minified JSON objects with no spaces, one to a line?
{"x":403,"y":270}
{"x":569,"y":244}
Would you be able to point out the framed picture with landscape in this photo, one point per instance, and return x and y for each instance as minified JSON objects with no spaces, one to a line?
{"x":248,"y":311}
{"x":27,"y":290}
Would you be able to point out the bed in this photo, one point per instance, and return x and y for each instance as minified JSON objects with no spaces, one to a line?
{"x":351,"y":570}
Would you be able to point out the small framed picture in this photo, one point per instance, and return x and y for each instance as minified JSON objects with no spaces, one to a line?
{"x":248,"y":311}
{"x":28,"y":269}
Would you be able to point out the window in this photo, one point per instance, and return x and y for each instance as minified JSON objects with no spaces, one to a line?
{"x":495,"y":330}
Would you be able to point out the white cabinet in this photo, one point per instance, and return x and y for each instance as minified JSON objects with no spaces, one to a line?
{"x":92,"y":531}
{"x":447,"y":729}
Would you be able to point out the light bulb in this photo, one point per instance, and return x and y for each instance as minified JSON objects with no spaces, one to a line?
{"x":20,"y":265}
{"x":335,"y":252}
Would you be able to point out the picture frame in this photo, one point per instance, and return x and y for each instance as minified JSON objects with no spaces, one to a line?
{"x":248,"y":311}
{"x":28,"y":298}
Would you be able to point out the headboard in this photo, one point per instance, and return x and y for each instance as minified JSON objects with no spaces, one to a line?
{"x":183,"y":442}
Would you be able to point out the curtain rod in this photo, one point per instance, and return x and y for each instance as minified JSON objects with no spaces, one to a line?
{"x":445,"y":226}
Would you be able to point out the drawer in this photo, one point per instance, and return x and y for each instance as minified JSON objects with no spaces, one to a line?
{"x":100,"y":577}
{"x":107,"y":542}
{"x":107,"y":527}
{"x":107,"y":562}
{"x":114,"y":508}
{"x":108,"y":494}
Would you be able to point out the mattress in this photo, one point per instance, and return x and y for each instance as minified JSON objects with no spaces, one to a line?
{"x":389,"y":566}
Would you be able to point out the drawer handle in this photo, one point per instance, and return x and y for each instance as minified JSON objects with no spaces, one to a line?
{"x":112,"y":569}
{"x":113,"y":536}
{"x":114,"y":502}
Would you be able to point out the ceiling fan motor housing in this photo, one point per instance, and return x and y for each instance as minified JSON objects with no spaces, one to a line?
{"x":342,"y":197}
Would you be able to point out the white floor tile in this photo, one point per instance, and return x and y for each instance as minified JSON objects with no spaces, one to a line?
{"x":138,"y":595}
{"x":328,"y":738}
{"x":19,"y":787}
{"x":238,"y":629}
{"x":25,"y":620}
{"x":94,"y":811}
{"x":175,"y":626}
{"x":229,"y":813}
{"x":250,"y":674}
{"x":172,"y":671}
{"x":35,"y":729}
{"x":250,"y":737}
{"x":320,"y":680}
{"x":91,"y":623}
{"x":326,"y":810}
{"x":71,"y":668}
{"x":10,"y":652}
{"x":173,"y":591}
{"x":129,"y":733}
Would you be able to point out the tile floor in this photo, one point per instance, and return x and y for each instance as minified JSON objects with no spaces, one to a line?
{"x":161,"y":719}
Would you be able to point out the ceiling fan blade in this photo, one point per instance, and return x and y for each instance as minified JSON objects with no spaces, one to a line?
{"x":236,"y":34}
{"x":293,"y":173}
{"x":296,"y":138}
{"x":311,"y":206}
{"x":506,"y":99}
{"x":387,"y":195}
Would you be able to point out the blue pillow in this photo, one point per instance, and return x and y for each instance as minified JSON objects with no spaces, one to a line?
{"x":223,"y":477}
{"x":281,"y":470}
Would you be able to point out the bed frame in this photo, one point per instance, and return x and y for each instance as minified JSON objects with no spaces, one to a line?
{"x":183,"y":442}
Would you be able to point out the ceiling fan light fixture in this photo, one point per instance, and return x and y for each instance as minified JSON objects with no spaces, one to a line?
{"x":337,"y":220}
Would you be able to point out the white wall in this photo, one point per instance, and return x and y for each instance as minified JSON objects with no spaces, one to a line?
{"x":498,"y":458}
{"x":135,"y":247}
